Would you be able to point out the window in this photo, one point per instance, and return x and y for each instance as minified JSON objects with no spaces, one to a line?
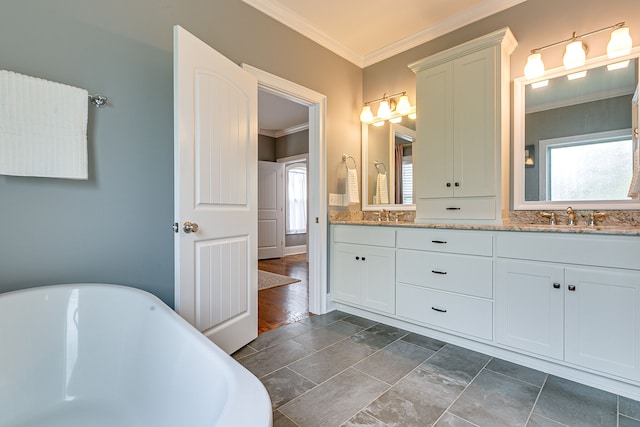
{"x":296,"y":215}
{"x":587,"y":167}
{"x":407,"y":180}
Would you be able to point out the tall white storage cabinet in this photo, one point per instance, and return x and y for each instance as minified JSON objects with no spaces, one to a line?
{"x":462,"y":146}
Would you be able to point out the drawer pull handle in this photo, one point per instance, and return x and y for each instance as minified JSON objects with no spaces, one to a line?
{"x":556,"y":286}
{"x":438,"y":272}
{"x":439,"y":310}
{"x":572,"y":287}
{"x":453,"y":209}
{"x":440,"y":242}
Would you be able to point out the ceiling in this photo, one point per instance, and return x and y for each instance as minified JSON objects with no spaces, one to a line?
{"x":363,"y":32}
{"x":368,"y":31}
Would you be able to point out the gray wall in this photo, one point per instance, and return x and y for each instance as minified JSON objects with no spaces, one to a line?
{"x":266,"y":148}
{"x":116,"y":227}
{"x":292,"y":145}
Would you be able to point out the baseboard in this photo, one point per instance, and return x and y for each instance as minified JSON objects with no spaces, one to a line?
{"x":295,"y":250}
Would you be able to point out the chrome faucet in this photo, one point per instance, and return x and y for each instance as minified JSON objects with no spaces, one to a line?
{"x":383,"y":215}
{"x":594,"y":217}
{"x":553,"y":217}
{"x":572,"y":216}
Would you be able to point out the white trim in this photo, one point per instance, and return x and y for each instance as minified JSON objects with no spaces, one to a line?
{"x":293,"y":20}
{"x":517,"y":161}
{"x":284,"y":132}
{"x":295,"y":250}
{"x":466,"y":17}
{"x":317,"y":239}
{"x":294,"y":159}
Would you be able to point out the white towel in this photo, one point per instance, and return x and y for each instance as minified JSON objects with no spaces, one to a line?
{"x":381,"y":189}
{"x":43,"y":128}
{"x":353,"y":196}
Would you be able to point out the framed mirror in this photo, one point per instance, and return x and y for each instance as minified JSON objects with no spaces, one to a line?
{"x":575,"y":137}
{"x":387,"y":171}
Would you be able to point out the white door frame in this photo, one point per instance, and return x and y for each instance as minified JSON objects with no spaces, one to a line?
{"x":317,"y":103}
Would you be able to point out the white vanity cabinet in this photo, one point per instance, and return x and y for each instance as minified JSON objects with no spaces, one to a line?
{"x":575,"y":298}
{"x":363,"y":267}
{"x":445,"y":280}
{"x":462,"y":97}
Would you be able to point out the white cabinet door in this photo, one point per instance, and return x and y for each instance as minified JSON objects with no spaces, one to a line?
{"x":364,"y":276}
{"x":347,"y":273}
{"x":433,"y":149}
{"x":602,"y":318}
{"x":529,"y":307}
{"x":378,"y":279}
{"x":475,"y":95}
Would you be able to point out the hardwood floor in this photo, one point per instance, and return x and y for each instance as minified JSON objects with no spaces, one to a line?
{"x":284,"y":304}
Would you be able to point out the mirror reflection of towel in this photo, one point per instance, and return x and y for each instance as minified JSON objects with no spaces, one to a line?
{"x":382,"y":190}
{"x":352,"y":186}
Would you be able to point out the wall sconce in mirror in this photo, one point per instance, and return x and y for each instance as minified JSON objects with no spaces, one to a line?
{"x":576,"y":51}
{"x":529,"y":156}
{"x":392,"y":108}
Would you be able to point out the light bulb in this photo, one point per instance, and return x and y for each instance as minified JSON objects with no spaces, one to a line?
{"x":395,"y":120}
{"x":534,"y":67}
{"x":403,"y":106}
{"x":384,"y":111}
{"x":366,"y":115}
{"x":620,"y":43}
{"x":574,"y":55}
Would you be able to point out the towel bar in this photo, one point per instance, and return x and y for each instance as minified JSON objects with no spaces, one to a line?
{"x":98,"y":100}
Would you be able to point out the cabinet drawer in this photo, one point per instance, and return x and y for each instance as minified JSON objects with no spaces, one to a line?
{"x":454,"y":273}
{"x":456,"y":208}
{"x":450,"y":241}
{"x":605,"y":251}
{"x":467,"y":315}
{"x":363,"y":235}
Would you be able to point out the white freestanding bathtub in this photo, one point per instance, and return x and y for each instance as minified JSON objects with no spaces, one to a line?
{"x":113,"y":356}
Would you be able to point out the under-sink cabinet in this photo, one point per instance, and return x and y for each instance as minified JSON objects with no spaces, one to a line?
{"x":363,"y":267}
{"x":565,"y":303}
{"x":556,"y":298}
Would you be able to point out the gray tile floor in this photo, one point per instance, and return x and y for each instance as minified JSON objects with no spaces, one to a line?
{"x":343,"y":370}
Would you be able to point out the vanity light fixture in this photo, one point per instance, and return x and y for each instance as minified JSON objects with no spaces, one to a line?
{"x":392,"y":108}
{"x":575,"y":51}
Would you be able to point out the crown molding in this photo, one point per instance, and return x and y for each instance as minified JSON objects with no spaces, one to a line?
{"x":296,"y":22}
{"x":466,"y":17}
{"x":284,"y":132}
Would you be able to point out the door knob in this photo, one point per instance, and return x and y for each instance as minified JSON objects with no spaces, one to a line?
{"x":190,"y":227}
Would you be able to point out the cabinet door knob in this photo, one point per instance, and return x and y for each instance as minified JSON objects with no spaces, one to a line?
{"x":457,"y":184}
{"x":357,"y":258}
{"x":572,"y":287}
{"x":363,"y":258}
{"x":556,"y":286}
{"x":448,"y":184}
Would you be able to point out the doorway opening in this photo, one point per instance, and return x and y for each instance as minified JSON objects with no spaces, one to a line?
{"x":315,"y":105}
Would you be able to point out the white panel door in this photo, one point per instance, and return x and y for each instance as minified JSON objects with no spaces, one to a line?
{"x":215,"y":125}
{"x":270,"y":210}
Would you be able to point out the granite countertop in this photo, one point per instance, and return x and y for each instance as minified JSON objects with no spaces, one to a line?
{"x":541,"y":228}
